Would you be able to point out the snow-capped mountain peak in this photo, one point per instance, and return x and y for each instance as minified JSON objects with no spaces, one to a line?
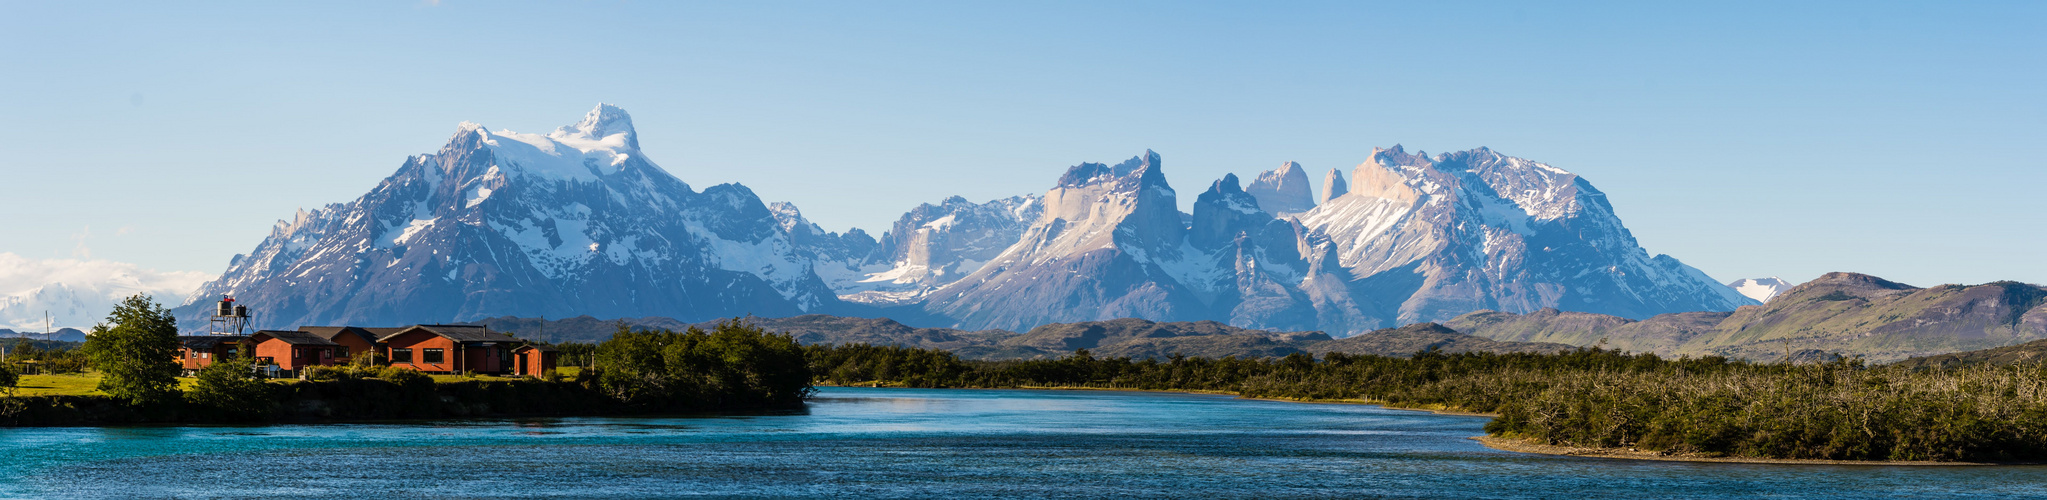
{"x":602,"y":125}
{"x":497,"y":222}
{"x":1761,"y":289}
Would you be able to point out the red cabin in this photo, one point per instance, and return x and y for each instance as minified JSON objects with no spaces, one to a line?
{"x":200,"y":351}
{"x":292,"y":350}
{"x":353,"y":340}
{"x":450,"y":349}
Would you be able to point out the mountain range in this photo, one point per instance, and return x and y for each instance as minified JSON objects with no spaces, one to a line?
{"x":1125,"y":337}
{"x":580,"y":221}
{"x":1851,"y":313}
{"x":38,"y":294}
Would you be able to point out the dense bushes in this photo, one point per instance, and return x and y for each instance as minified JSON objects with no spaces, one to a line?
{"x":1595,"y":398}
{"x":734,"y":365}
{"x":230,"y":388}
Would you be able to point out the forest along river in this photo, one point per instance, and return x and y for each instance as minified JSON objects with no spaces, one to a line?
{"x":854,"y":442}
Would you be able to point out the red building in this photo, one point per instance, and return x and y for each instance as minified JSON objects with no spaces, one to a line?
{"x":353,"y":340}
{"x":450,"y":349}
{"x":292,"y":350}
{"x":200,"y":351}
{"x":533,"y":360}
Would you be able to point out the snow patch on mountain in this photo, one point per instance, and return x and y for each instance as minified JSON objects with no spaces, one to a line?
{"x":1760,"y":289}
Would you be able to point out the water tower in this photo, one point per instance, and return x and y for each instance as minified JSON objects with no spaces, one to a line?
{"x":228,"y":318}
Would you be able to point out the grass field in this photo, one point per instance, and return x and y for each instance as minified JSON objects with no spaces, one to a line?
{"x":78,"y":384}
{"x":86,"y":384}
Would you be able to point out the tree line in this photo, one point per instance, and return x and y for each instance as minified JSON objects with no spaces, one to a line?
{"x":733,"y":365}
{"x":1710,"y":406}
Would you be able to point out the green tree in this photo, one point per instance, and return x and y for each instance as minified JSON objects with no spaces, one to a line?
{"x":137,"y":355}
{"x":231,"y":387}
{"x":8,"y":379}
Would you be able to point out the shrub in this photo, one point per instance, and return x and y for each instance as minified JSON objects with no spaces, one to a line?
{"x":8,"y":378}
{"x":735,"y":364}
{"x":404,"y":376}
{"x":230,"y":386}
{"x":334,"y":373}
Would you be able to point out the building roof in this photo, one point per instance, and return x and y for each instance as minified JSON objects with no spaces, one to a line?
{"x":540,"y":347}
{"x":209,"y":341}
{"x":335,"y":332}
{"x":458,"y":333}
{"x":295,"y":337}
{"x":379,"y":334}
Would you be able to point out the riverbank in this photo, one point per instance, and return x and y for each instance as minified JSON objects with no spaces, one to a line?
{"x":353,"y":400}
{"x":1526,"y":446}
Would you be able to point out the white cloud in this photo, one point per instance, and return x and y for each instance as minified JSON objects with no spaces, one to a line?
{"x":80,"y":292}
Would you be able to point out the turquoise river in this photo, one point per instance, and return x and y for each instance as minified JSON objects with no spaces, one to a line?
{"x":914,"y":443}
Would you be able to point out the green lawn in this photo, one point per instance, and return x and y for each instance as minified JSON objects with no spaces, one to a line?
{"x":86,"y":384}
{"x":76,"y":384}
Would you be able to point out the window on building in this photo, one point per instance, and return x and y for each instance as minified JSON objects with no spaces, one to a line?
{"x":401,"y":355}
{"x":431,"y":356}
{"x":341,"y":352}
{"x":205,"y":355}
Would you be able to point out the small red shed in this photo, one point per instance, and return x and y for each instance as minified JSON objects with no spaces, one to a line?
{"x":533,"y":360}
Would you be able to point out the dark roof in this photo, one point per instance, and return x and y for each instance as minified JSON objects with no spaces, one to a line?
{"x":295,"y":337}
{"x":334,"y":332}
{"x":458,"y":333}
{"x":541,"y":347}
{"x":380,"y":333}
{"x":208,"y":341}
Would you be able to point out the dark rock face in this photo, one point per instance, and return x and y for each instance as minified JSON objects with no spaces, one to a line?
{"x":499,"y":223}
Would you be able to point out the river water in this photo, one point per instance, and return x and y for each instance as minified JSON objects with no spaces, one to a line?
{"x":854,"y":442}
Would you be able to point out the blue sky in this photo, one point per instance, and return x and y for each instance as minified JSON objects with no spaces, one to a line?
{"x":1748,"y":140}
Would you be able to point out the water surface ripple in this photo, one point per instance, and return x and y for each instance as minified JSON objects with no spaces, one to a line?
{"x":854,"y":442}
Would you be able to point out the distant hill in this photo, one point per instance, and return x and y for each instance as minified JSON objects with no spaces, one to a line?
{"x":1131,"y":337}
{"x":2030,"y":352}
{"x":61,"y":335}
{"x":1846,"y":313}
{"x":1425,"y":336}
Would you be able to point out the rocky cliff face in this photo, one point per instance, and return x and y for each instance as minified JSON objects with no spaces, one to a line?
{"x":1429,"y":239}
{"x":1283,"y":191}
{"x":581,"y":222}
{"x":1417,"y":239}
{"x":929,"y":247}
{"x":1109,"y":244}
{"x":1333,"y":186}
{"x":577,"y":221}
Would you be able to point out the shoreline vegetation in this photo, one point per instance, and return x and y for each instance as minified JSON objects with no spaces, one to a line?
{"x":1710,"y":408}
{"x":732,"y":366}
{"x":1586,"y":402}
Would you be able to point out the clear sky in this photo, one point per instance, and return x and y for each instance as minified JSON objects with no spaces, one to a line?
{"x":1748,"y":140}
